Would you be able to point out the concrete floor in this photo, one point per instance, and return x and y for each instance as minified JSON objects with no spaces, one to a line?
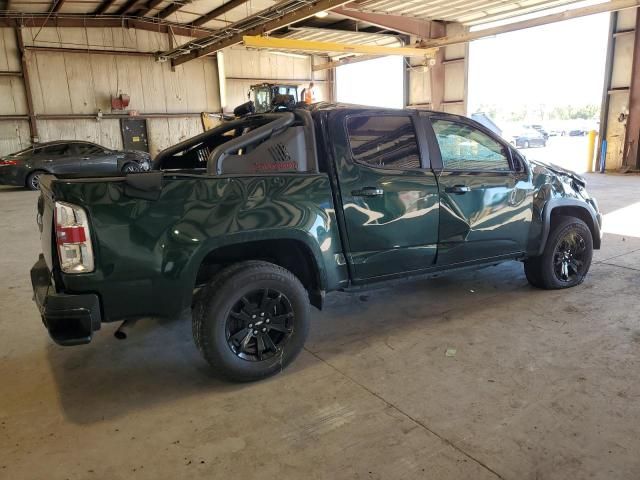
{"x":543,"y":385}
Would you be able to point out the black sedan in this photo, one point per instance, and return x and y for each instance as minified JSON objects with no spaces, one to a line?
{"x":67,"y":156}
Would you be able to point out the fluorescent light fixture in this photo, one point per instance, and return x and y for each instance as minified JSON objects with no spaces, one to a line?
{"x":322,"y":14}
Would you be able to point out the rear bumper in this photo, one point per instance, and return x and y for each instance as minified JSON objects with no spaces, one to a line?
{"x":9,"y":175}
{"x":70,"y":319}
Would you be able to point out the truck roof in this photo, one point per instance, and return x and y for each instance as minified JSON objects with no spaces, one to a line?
{"x":327,"y":106}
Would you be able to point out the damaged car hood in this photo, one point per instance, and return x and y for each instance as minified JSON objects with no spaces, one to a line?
{"x":558,"y":170}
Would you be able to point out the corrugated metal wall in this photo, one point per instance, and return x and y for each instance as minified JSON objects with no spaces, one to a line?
{"x":73,"y":83}
{"x":82,"y":84}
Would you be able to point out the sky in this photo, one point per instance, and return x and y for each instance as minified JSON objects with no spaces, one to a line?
{"x":556,"y":64}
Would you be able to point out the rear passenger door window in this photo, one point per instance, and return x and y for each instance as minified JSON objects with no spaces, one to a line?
{"x":466,"y":148}
{"x":383,"y":141}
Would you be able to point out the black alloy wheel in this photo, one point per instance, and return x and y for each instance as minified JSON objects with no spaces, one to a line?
{"x":569,"y":257}
{"x":259,"y":324}
{"x":251,"y":320}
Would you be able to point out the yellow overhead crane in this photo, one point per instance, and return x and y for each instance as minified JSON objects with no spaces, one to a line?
{"x":314,"y":46}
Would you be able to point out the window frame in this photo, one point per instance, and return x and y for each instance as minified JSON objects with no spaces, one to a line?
{"x":78,"y":146}
{"x":419,"y":135}
{"x":429,"y":119}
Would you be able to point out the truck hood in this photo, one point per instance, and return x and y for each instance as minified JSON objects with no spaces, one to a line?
{"x":558,"y":170}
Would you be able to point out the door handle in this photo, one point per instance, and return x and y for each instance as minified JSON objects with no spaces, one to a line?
{"x":368,"y":192}
{"x":85,"y":158}
{"x":48,"y":161}
{"x":457,"y":189}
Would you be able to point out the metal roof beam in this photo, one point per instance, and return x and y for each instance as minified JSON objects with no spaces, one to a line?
{"x":407,"y":25}
{"x":147,"y":7}
{"x":127,"y":7}
{"x":57,"y":5}
{"x":277,"y":20}
{"x":103,"y":7}
{"x":218,"y":12}
{"x":171,"y":9}
{"x":82,"y":21}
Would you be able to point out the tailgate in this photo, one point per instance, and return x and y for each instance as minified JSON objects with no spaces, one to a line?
{"x":46,"y":205}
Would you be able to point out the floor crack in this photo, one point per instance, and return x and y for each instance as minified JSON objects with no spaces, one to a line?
{"x":405,"y":414}
{"x":621,"y":266}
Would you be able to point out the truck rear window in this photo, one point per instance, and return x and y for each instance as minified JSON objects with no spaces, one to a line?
{"x":384,"y":141}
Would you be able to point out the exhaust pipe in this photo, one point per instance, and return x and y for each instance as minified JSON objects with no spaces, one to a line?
{"x":123,"y":330}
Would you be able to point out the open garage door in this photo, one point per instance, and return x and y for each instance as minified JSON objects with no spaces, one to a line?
{"x":542,"y":87}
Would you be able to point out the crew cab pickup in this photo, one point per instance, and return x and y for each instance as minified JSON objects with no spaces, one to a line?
{"x":250,"y":223}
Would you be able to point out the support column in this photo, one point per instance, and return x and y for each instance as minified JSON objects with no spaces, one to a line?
{"x":632,"y":159}
{"x":436,"y":71}
{"x":33,"y":127}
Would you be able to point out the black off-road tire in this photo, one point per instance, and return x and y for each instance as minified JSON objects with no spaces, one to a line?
{"x":212,"y":312}
{"x":540,"y":271}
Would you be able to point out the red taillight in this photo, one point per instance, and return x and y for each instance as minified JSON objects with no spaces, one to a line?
{"x":8,"y":162}
{"x":75,"y":251}
{"x":70,"y":234}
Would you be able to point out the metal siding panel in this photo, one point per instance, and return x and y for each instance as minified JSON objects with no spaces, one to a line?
{"x":454,"y":85}
{"x":158,"y":130}
{"x":80,"y":82}
{"x":14,"y":136}
{"x":196,"y":94}
{"x":455,"y":51}
{"x":153,"y":85}
{"x":211,"y":84}
{"x":52,"y":77}
{"x":618,"y":102}
{"x":626,"y":20}
{"x":622,"y":62}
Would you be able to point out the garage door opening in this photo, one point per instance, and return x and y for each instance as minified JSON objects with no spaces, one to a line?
{"x":378,"y":82}
{"x":542,"y":87}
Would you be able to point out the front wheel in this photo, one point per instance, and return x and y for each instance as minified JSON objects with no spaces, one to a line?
{"x":251,"y":321}
{"x":566,"y":258}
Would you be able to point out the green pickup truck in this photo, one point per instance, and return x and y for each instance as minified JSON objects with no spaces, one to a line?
{"x":252,"y":222}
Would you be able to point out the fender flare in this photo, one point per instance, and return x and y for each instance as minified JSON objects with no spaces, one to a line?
{"x":594,"y":226}
{"x":249,"y":237}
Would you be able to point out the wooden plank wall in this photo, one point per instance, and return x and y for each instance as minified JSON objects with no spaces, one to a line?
{"x":72,"y":83}
{"x":256,"y":66}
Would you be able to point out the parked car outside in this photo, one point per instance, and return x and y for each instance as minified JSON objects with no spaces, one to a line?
{"x":578,"y":132}
{"x":540,"y":129}
{"x":528,"y":137}
{"x":24,"y":168}
{"x":285,"y":207}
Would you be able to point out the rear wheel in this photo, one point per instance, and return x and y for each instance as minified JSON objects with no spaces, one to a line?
{"x":251,"y":321}
{"x":566,"y":258}
{"x":131,"y":168}
{"x":33,"y":180}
